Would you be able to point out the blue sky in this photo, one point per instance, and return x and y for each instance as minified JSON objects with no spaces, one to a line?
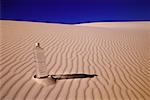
{"x":75,"y":11}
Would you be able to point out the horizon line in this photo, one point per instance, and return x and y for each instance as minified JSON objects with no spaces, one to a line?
{"x":76,"y":22}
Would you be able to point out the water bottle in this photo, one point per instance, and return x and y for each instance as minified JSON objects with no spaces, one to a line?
{"x":41,"y":68}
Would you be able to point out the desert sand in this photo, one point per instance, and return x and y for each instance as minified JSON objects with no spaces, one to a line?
{"x":119,"y":53}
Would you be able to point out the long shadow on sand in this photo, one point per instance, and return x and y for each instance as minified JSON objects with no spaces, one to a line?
{"x":72,"y":76}
{"x":68,"y":76}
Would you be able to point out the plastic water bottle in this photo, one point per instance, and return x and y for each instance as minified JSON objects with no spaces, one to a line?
{"x":41,"y":68}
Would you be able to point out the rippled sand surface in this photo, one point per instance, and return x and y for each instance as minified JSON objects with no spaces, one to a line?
{"x":119,"y":55}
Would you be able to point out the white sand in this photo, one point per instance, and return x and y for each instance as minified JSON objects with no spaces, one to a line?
{"x":118,"y":54}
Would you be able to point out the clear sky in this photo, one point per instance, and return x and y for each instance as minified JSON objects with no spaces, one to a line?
{"x":75,"y":11}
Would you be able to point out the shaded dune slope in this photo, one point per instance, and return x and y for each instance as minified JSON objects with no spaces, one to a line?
{"x":120,"y":58}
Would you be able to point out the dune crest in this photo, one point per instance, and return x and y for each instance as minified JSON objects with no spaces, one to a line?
{"x":130,"y":25}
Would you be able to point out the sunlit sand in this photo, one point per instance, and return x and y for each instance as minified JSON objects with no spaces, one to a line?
{"x":119,"y":53}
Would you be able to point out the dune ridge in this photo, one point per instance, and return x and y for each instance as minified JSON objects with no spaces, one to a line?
{"x":129,"y":25}
{"x":119,"y":56}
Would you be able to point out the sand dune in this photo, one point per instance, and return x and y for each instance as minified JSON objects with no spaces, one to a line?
{"x":119,"y":56}
{"x":129,"y":25}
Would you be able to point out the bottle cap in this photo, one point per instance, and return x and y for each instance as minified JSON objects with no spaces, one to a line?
{"x":37,"y":44}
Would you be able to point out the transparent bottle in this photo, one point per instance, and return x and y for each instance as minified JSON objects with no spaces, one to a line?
{"x":41,"y":68}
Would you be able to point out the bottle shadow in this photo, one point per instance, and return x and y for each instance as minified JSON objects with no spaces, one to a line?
{"x":72,"y":76}
{"x":52,"y":79}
